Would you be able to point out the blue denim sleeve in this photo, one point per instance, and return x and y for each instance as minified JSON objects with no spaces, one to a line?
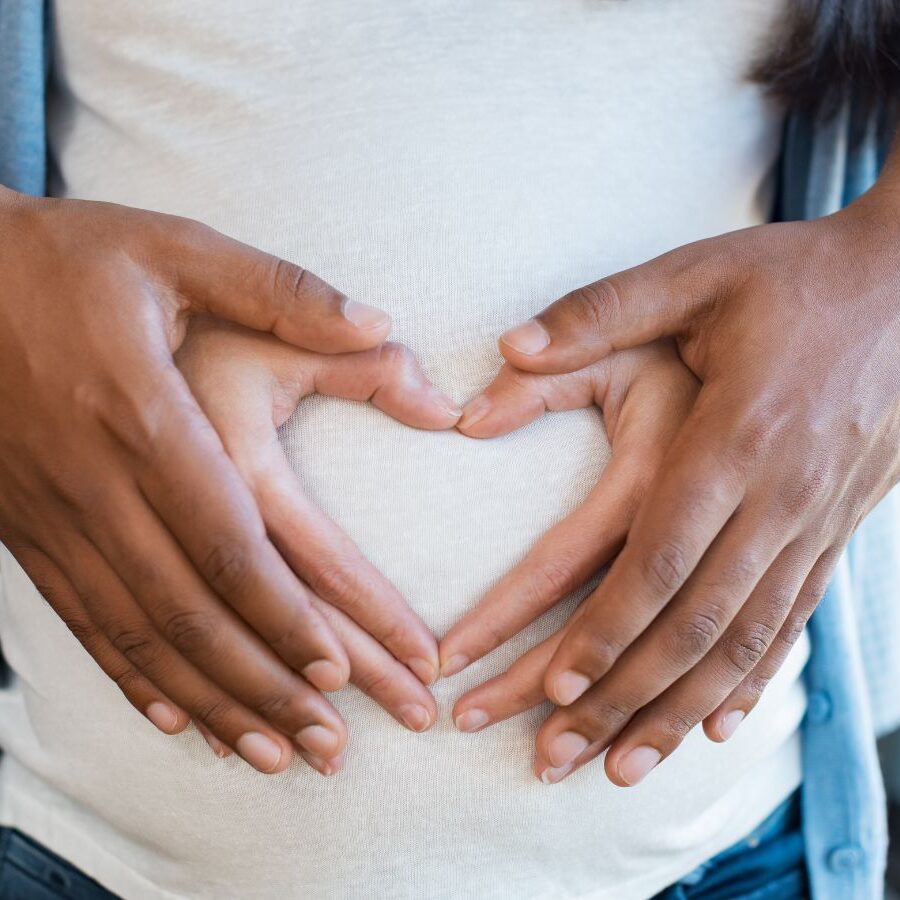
{"x":24,"y":62}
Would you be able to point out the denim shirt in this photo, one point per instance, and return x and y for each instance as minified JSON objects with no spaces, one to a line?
{"x":853,"y":675}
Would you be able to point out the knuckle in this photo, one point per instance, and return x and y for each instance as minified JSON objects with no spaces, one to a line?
{"x":603,"y":717}
{"x":781,"y":600}
{"x":744,"y":568}
{"x":553,"y":580}
{"x":286,"y":643}
{"x":397,"y":358}
{"x":289,"y":280}
{"x":275,"y":707}
{"x":373,"y":682}
{"x":594,"y":649}
{"x":83,"y":630}
{"x":676,"y":724}
{"x":128,"y":681}
{"x":137,"y":645}
{"x":804,"y":491}
{"x":696,"y":633}
{"x":793,"y":628}
{"x":334,"y":582}
{"x":213,"y":712}
{"x":752,"y":689}
{"x":603,"y":651}
{"x":752,"y":438}
{"x":596,"y":304}
{"x":747,"y":646}
{"x":226,"y":567}
{"x":665,"y":567}
{"x":192,"y":633}
{"x":186,"y":230}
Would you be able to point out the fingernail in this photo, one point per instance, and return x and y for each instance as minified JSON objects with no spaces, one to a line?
{"x":565,"y":747}
{"x":364,"y":316}
{"x":325,"y":766}
{"x":553,"y":775}
{"x":474,"y":412}
{"x":635,"y":765}
{"x":415,"y":717}
{"x":453,"y":665}
{"x":162,"y":716}
{"x":221,"y":750}
{"x":318,"y":739}
{"x":730,"y":723}
{"x":529,"y":338}
{"x":324,"y":675}
{"x":454,"y":410}
{"x":569,"y":686}
{"x":425,"y":670}
{"x":261,"y":752}
{"x":471,"y":720}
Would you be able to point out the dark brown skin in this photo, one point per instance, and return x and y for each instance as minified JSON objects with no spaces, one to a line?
{"x":794,"y":332}
{"x":119,"y":500}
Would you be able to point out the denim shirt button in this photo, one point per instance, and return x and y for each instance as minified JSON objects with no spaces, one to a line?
{"x":818,"y":709}
{"x":845,"y":857}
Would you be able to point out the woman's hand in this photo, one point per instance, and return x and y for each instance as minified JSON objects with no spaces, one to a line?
{"x":645,"y":396}
{"x":794,"y":331}
{"x":248,"y":384}
{"x":116,"y":495}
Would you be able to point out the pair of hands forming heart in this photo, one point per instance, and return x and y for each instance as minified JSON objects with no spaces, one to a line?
{"x":732,"y":503}
{"x":249,"y":383}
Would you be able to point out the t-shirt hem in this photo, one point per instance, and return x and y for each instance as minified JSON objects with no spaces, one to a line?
{"x":33,"y":818}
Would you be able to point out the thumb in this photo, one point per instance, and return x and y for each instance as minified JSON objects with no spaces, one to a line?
{"x":657,"y":299}
{"x":390,"y":378}
{"x":219,"y":275}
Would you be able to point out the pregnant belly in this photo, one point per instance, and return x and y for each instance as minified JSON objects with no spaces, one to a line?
{"x":441,"y":515}
{"x":441,"y":814}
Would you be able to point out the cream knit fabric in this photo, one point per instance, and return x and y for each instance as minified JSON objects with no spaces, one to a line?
{"x":459,"y":164}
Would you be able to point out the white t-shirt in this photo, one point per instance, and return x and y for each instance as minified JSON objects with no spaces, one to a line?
{"x":459,"y":164}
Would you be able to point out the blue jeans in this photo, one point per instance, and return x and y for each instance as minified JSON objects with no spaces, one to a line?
{"x":769,"y":864}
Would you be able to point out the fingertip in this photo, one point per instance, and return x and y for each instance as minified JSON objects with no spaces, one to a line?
{"x":474,"y":413}
{"x":528,"y":339}
{"x":444,"y":412}
{"x":564,"y":688}
{"x":471,"y":720}
{"x":426,"y":670}
{"x":166,"y":717}
{"x":416,"y":717}
{"x":453,"y":665}
{"x":720,"y":728}
{"x":327,"y":675}
{"x":610,"y":766}
{"x":326,"y":767}
{"x":264,"y":753}
{"x":553,"y":774}
{"x":632,"y":766}
{"x":373,"y":324}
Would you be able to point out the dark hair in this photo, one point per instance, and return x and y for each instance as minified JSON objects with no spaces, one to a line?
{"x":830,"y":48}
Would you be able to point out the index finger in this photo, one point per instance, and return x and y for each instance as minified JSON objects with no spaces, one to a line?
{"x":693,"y":497}
{"x":195,"y":489}
{"x":234,"y":281}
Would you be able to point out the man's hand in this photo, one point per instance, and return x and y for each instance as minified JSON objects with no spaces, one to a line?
{"x":794,"y":331}
{"x":248,"y":384}
{"x":645,"y":395}
{"x":116,"y":495}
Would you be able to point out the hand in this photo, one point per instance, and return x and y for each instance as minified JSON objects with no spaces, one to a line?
{"x":794,"y":330}
{"x":248,"y":384}
{"x":645,"y":396}
{"x":116,"y":495}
